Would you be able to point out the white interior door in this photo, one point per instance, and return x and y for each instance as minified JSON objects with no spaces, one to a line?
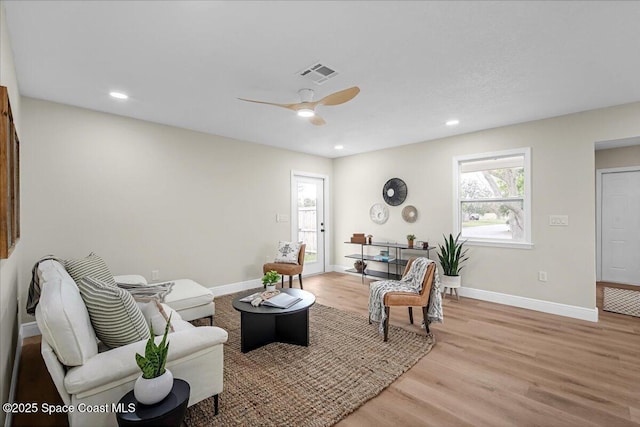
{"x":620,"y":212}
{"x":308,"y":220}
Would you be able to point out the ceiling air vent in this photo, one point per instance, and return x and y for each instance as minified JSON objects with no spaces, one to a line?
{"x":317,"y":73}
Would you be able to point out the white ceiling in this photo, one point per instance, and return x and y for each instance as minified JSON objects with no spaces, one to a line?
{"x":418,"y":64}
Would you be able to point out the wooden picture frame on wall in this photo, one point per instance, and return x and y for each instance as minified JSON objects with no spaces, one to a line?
{"x":9,"y":178}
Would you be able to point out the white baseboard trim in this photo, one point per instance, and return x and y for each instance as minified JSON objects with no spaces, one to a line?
{"x":29,"y":329}
{"x":235,"y":287}
{"x":582,"y":313}
{"x":25,"y":330}
{"x":232,"y":288}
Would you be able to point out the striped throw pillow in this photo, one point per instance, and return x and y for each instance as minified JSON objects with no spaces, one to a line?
{"x":115,"y":316}
{"x":92,"y":266}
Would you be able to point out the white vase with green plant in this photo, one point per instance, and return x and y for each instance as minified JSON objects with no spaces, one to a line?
{"x":270,"y":279}
{"x":156,"y":381}
{"x":452,"y":255}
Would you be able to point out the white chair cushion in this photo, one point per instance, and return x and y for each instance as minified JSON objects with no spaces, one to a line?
{"x":62,"y":316}
{"x":187,"y":294}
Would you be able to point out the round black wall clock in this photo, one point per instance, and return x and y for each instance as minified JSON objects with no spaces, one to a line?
{"x":394,"y":192}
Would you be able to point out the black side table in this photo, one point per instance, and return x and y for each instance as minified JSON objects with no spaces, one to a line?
{"x":168,"y":412}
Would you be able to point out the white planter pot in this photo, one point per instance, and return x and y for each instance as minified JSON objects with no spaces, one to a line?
{"x":271,"y":288}
{"x":451,"y":281}
{"x":150,"y":391}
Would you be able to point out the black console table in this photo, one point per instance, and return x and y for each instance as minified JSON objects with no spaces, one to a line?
{"x":395,"y":265}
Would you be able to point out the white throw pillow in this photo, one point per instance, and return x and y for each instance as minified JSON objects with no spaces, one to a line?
{"x":288,"y":252}
{"x":157,"y":314}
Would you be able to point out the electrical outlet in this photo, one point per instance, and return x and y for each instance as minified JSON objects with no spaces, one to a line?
{"x":542,"y":276}
{"x":155,"y":274}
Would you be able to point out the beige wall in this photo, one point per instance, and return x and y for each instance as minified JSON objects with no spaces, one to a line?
{"x":618,"y":157}
{"x":151,"y":197}
{"x":562,"y":183}
{"x":9,"y":273}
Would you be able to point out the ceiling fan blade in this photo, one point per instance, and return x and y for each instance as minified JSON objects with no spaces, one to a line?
{"x":317,"y":120}
{"x":289,"y":106}
{"x":339,"y":97}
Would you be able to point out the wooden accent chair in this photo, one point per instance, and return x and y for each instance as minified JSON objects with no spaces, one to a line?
{"x":285,"y":269}
{"x":409,"y":299}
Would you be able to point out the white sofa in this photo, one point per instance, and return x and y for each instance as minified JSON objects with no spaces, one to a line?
{"x":83,"y":375}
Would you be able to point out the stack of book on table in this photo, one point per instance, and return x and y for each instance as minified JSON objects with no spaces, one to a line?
{"x":280,"y":300}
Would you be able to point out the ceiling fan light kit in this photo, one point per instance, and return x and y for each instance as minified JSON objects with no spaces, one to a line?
{"x":307,"y":107}
{"x":306,"y":112}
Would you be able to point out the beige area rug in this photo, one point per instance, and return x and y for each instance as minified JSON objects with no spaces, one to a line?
{"x":346,"y":364}
{"x":623,"y":301}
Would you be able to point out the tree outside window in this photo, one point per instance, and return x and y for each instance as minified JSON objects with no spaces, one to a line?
{"x":492,"y":196}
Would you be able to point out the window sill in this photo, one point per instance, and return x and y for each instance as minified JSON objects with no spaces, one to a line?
{"x":497,"y":244}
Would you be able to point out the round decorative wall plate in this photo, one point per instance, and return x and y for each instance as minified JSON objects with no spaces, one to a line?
{"x":379,"y":213}
{"x":410,"y":213}
{"x":394,"y":192}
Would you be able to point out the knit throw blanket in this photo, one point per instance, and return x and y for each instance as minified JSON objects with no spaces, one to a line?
{"x":411,"y":282}
{"x":142,"y":291}
{"x":34,"y":287}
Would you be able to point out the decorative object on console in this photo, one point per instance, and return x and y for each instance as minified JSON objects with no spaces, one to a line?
{"x":379,"y":213}
{"x":270,"y":279}
{"x":156,"y":381}
{"x":410,"y":214}
{"x":10,"y":178}
{"x":358,"y":238}
{"x":369,"y":239}
{"x":410,"y":239}
{"x":451,"y":256}
{"x":394,"y":192}
{"x":360,"y":266}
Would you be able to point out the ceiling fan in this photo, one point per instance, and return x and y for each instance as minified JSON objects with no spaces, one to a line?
{"x":307,"y":108}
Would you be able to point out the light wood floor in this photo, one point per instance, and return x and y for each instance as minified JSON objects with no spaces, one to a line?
{"x":495,"y":365}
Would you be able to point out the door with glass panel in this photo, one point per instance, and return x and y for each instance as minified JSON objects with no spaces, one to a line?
{"x":308,"y":220}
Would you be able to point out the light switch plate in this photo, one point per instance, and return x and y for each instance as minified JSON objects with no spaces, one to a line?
{"x":282,"y":218}
{"x":559,"y":220}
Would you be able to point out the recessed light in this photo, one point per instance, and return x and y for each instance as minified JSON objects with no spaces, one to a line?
{"x":452,"y":122}
{"x":119,"y":95}
{"x":338,"y":147}
{"x":306,"y":112}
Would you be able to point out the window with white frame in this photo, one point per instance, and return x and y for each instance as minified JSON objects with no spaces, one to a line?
{"x":493,"y":198}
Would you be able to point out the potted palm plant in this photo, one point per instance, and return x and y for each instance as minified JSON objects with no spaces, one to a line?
{"x":451,"y":256}
{"x":270,"y":279}
{"x":156,"y":381}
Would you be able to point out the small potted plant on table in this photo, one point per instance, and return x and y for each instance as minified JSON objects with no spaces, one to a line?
{"x":270,"y":279}
{"x":410,"y":239}
{"x":156,"y":381}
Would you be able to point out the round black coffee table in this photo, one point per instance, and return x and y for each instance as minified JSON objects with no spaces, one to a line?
{"x":168,"y":412}
{"x":263,"y":325}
